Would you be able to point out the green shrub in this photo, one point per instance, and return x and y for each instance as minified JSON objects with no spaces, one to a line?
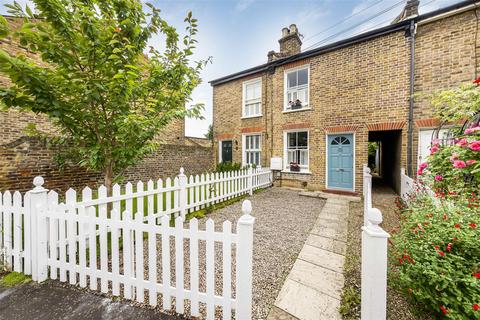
{"x":436,"y":256}
{"x":230,"y":166}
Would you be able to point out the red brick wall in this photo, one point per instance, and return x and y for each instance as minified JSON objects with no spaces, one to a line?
{"x":26,"y":158}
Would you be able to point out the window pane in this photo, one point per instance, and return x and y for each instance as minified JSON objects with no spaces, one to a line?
{"x":257,"y":108}
{"x":292,"y":139}
{"x":291,"y":79}
{"x":247,"y":108}
{"x":257,"y":158}
{"x":303,"y":77}
{"x":303,"y":139}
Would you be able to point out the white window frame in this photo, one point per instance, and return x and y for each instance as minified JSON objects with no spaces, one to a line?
{"x":258,"y":100}
{"x":286,"y":164}
{"x":244,"y":150}
{"x":305,"y":106}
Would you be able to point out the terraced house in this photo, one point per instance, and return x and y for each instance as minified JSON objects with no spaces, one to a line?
{"x":313,"y":112}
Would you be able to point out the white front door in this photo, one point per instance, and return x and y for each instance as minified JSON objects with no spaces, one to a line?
{"x":425,"y":141}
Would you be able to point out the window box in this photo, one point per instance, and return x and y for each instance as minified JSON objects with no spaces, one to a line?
{"x":294,"y":167}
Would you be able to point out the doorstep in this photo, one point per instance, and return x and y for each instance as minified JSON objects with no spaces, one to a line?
{"x":313,"y":289}
{"x":326,"y":194}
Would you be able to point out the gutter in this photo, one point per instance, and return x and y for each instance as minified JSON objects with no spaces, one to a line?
{"x":412,"y":32}
{"x":428,"y":18}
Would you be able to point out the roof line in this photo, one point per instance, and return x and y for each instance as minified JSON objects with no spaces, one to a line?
{"x":402,"y":25}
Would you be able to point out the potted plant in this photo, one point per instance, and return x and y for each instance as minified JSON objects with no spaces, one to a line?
{"x":295,"y":167}
{"x":296,"y":105}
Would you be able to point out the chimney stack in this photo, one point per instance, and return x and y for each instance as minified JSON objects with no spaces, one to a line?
{"x":290,"y":44}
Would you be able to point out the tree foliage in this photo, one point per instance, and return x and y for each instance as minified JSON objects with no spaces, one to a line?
{"x":99,"y":81}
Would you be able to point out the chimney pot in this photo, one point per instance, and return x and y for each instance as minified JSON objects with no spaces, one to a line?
{"x":293,"y":28}
{"x":285,"y":32}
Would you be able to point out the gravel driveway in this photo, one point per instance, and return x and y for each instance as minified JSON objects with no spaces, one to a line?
{"x":283,"y":220}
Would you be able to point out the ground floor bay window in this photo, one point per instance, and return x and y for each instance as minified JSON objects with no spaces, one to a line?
{"x":252,"y":149}
{"x":296,"y":151}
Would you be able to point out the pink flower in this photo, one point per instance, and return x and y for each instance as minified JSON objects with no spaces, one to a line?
{"x":462,"y":143}
{"x":433,"y":149}
{"x":454,"y":156}
{"x":475,"y":146}
{"x":438,"y":178}
{"x":435,"y":142}
{"x":472,"y":130}
{"x":470,"y":162}
{"x":459,"y":164}
{"x":421,"y":168}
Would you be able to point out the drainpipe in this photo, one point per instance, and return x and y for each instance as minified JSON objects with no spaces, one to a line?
{"x":412,"y":31}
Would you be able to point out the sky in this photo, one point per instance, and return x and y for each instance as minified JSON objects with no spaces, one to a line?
{"x":237,"y":34}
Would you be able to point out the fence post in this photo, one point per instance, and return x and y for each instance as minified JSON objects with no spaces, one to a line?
{"x":402,"y":183}
{"x":250,"y":180}
{"x":182,"y":197}
{"x":244,"y":262}
{"x":367,"y":193}
{"x":38,"y":207}
{"x":374,"y":268}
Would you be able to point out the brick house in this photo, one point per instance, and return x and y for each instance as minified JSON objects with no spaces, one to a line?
{"x":315,"y":111}
{"x":23,"y":157}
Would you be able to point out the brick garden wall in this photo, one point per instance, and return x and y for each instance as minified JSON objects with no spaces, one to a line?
{"x":25,"y":158}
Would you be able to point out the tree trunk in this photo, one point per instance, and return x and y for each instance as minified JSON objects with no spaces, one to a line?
{"x":108,"y":178}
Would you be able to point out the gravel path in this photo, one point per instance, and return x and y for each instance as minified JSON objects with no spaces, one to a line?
{"x":283,"y":220}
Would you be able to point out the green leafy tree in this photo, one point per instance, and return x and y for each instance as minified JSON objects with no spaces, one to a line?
{"x":108,"y":92}
{"x":209,"y":134}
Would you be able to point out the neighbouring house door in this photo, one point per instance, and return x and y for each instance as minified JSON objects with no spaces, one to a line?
{"x":425,"y":138}
{"x":227,"y":151}
{"x":340,"y":161}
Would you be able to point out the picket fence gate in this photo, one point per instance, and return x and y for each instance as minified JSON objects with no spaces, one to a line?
{"x":102,"y":238}
{"x":410,"y":187}
{"x":374,"y":257}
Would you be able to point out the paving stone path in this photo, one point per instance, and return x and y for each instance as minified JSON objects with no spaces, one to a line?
{"x":312,"y":290}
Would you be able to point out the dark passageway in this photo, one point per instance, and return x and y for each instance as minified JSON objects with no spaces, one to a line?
{"x":389,"y":157}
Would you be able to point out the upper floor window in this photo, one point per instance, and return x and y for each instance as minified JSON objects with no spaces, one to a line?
{"x":296,"y":88}
{"x":252,"y":98}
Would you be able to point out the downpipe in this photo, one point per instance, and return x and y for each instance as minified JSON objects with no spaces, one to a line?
{"x":411,"y":33}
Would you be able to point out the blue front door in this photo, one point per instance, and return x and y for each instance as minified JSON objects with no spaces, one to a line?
{"x":340,"y":161}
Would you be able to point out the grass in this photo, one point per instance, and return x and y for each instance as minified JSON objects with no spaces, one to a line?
{"x":14,"y":278}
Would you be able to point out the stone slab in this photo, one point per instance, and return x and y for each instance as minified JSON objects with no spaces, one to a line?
{"x":322,"y":280}
{"x":322,"y":258}
{"x":329,"y":232}
{"x":306,"y":303}
{"x":332,"y":245}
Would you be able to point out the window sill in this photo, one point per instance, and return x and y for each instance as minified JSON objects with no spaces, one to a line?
{"x":251,"y":117}
{"x":298,"y":110}
{"x":296,"y":172}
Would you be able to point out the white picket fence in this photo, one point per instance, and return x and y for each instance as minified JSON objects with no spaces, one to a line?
{"x":47,"y":238}
{"x":374,"y":257}
{"x":410,"y":187}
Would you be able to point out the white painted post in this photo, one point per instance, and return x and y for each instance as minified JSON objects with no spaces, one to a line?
{"x":182,"y":198}
{"x":244,"y":262}
{"x":402,"y":183}
{"x":38,"y":206}
{"x":367,"y":193}
{"x":374,"y":268}
{"x":250,"y":180}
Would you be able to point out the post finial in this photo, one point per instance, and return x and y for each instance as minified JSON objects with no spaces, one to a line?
{"x":38,"y":181}
{"x":247,"y":207}
{"x":375,"y":216}
{"x":182,"y":170}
